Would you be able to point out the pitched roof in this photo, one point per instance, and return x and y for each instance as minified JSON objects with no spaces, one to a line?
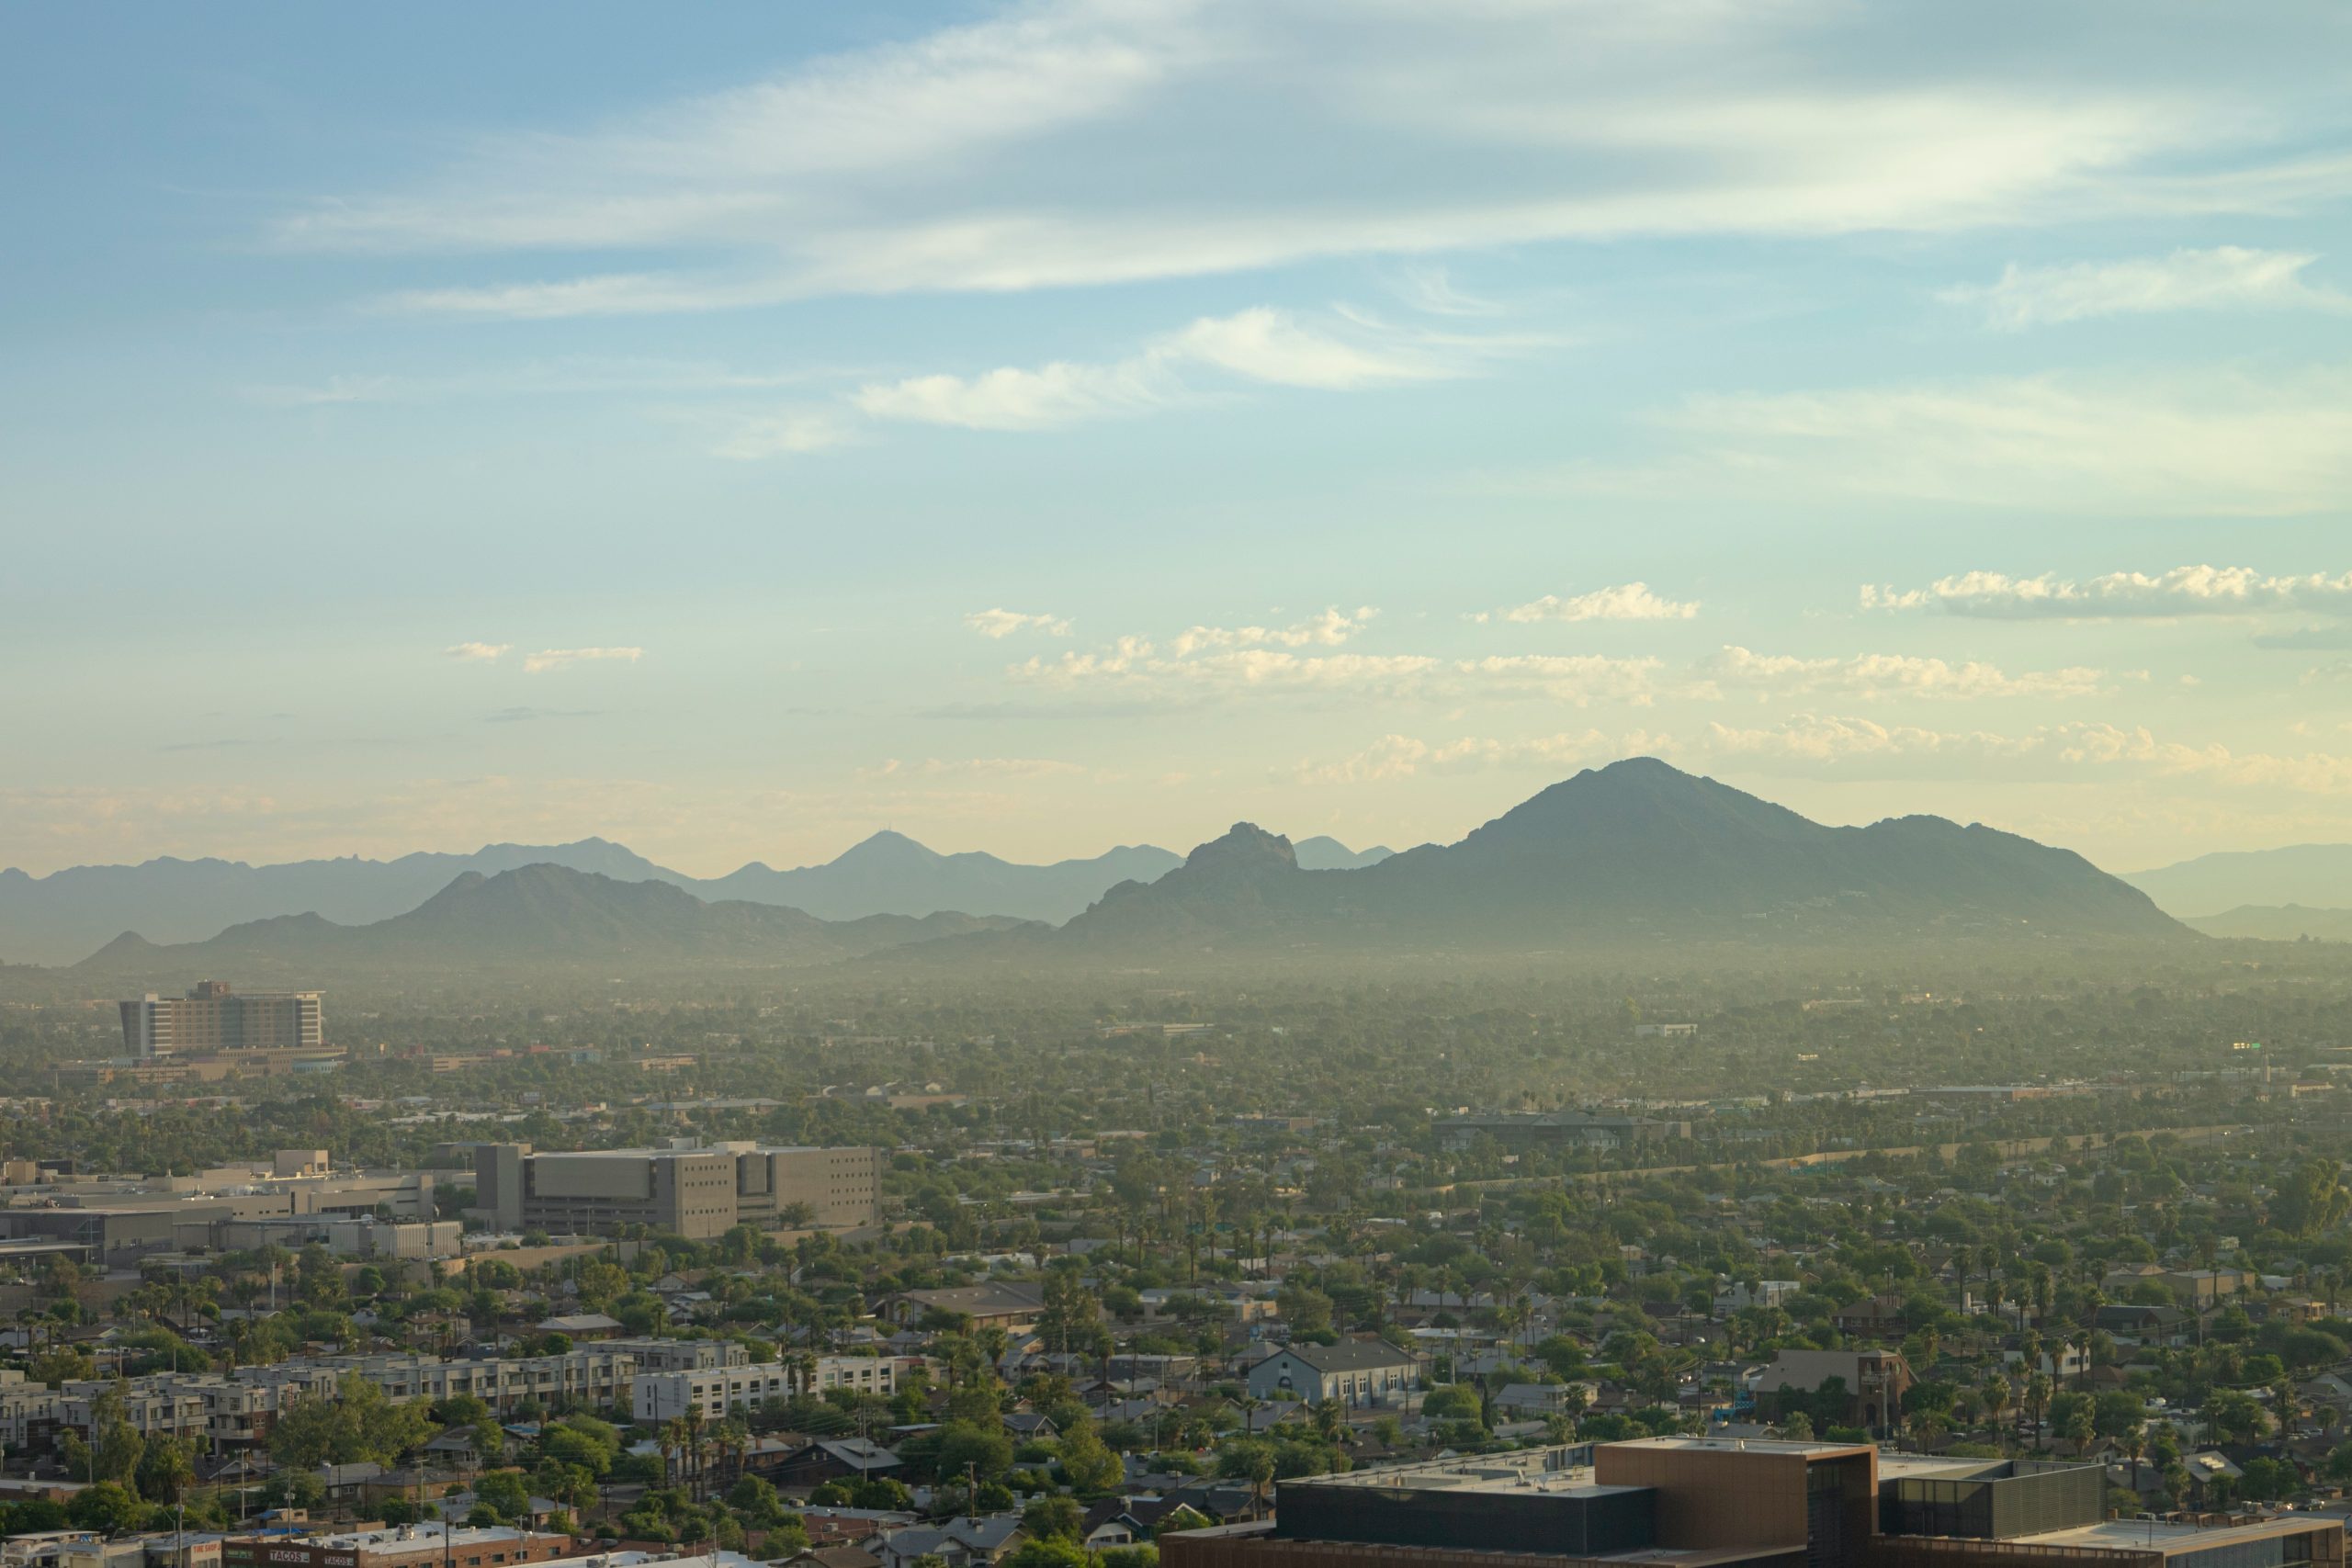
{"x":1352,"y":1356}
{"x":980,"y":1300}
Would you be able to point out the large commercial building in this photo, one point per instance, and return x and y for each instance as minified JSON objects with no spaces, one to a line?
{"x":213,"y":1018}
{"x":697,"y":1192}
{"x":1723,"y":1502}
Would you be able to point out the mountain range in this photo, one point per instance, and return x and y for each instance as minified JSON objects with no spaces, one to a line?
{"x":58,"y":918}
{"x":2314,"y":876}
{"x":2278,"y":922}
{"x":539,"y":916}
{"x":1635,"y":856}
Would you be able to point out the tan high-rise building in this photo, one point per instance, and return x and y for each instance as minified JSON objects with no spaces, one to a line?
{"x":213,"y":1018}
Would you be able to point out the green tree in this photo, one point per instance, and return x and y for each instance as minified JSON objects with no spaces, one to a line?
{"x":1053,"y":1517}
{"x":2313,"y":1200}
{"x":110,"y":1507}
{"x":1092,"y":1468}
{"x":1048,"y":1554}
{"x":166,"y":1469}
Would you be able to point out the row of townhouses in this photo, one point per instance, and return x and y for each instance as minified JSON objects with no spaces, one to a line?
{"x":656,"y":1378}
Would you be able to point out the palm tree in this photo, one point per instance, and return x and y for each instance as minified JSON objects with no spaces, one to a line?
{"x":698,"y":1445}
{"x":2038,"y":1389}
{"x":1995,"y":1395}
{"x":734,"y":1442}
{"x":1261,"y":1462}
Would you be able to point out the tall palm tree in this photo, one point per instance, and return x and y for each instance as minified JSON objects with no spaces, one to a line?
{"x":1995,"y":1395}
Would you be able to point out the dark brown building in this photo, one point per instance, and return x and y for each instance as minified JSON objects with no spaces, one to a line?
{"x":1725,"y":1503}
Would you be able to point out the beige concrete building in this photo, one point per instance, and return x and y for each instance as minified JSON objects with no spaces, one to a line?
{"x":213,"y":1018}
{"x":694,"y":1192}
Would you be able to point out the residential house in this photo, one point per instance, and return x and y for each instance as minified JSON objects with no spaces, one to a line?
{"x":1353,"y":1372}
{"x":837,"y":1459}
{"x":1874,"y":1382}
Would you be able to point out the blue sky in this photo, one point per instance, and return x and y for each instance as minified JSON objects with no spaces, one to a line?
{"x":1045,"y":426}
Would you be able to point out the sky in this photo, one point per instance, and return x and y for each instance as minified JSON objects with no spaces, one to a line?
{"x":1039,"y":427}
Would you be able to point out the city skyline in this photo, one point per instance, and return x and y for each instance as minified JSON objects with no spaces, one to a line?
{"x":1046,"y":427}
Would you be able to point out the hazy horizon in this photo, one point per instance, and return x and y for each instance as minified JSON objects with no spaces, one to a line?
{"x":1043,"y":428}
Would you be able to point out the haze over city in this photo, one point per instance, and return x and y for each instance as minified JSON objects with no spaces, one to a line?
{"x":1044,"y":427}
{"x":1176,"y":784}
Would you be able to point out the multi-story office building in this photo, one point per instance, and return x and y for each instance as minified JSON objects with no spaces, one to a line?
{"x":213,"y":1018}
{"x":696,"y":1192}
{"x":722,"y":1391}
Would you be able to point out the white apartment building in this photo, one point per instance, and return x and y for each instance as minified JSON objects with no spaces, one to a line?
{"x":237,"y":1407}
{"x":722,"y":1391}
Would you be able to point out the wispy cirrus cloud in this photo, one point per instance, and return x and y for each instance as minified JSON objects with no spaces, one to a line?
{"x":2226,"y":278}
{"x":2122,"y":595}
{"x":2211,"y":444}
{"x":795,"y":433}
{"x":964,"y":157}
{"x":1627,"y":602}
{"x":548,"y":659}
{"x":478,"y":652}
{"x":1260,"y":345}
{"x":1001,"y":624}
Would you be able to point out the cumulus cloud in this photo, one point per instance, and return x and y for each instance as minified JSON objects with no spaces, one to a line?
{"x":1578,"y":679}
{"x":1845,"y":741}
{"x":1004,"y":767}
{"x":1406,"y":756}
{"x":1835,"y":738}
{"x":1329,"y":629}
{"x":2122,"y":595}
{"x":1889,"y":675}
{"x":1627,"y":602}
{"x":478,"y":652}
{"x":563,"y":658}
{"x":2224,"y":277}
{"x":1001,"y":624}
{"x":2314,"y":773}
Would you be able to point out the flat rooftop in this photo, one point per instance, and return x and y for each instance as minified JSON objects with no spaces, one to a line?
{"x":2161,"y":1535}
{"x":1743,"y":1444}
{"x":393,"y":1538}
{"x":1551,"y":1469}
